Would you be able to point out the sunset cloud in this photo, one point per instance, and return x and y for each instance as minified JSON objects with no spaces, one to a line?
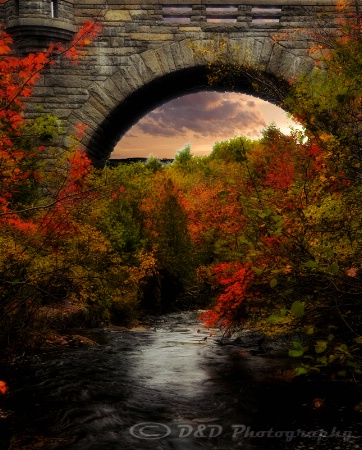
{"x":201,"y":114}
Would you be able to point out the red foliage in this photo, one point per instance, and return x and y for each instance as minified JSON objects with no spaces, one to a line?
{"x":236,"y":279}
{"x":17,"y":76}
{"x":79,"y":168}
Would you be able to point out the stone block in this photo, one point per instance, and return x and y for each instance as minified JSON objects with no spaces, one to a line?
{"x":177,"y":55}
{"x":165,"y":58}
{"x":105,"y":103}
{"x":152,"y":63}
{"x":117,"y":16}
{"x":112,"y":90}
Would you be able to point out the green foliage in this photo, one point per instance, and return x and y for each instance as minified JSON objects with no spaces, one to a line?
{"x":297,"y":351}
{"x":43,"y":128}
{"x":183,"y":156}
{"x":232,"y":150}
{"x":297,"y":309}
{"x":301,"y":371}
{"x":273,"y":282}
{"x":153,"y":163}
{"x":328,"y":101}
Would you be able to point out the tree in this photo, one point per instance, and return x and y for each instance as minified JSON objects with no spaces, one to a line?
{"x":153,"y":163}
{"x":183,"y":156}
{"x":174,"y":244}
{"x":34,"y":204}
{"x":328,"y":101}
{"x":167,"y":228}
{"x":233,"y":150}
{"x":288,"y":224}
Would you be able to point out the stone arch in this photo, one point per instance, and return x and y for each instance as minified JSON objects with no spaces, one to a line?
{"x":158,"y":75}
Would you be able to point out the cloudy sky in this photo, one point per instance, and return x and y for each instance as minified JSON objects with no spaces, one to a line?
{"x":200,"y":120}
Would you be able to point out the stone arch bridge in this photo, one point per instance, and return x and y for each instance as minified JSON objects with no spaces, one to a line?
{"x":143,"y":55}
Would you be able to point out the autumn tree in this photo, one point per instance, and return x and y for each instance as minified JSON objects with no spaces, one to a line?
{"x":34,"y":211}
{"x":328,"y":100}
{"x":301,"y":198}
{"x":296,"y":256}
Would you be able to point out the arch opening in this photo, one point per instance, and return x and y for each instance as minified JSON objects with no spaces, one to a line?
{"x":199,"y":120}
{"x":153,"y":94}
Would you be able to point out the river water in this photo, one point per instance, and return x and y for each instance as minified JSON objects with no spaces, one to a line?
{"x":171,"y":386}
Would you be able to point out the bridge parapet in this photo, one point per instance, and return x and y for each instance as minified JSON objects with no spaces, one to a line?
{"x":215,"y":16}
{"x":247,"y":12}
{"x":220,"y":14}
{"x":205,"y":10}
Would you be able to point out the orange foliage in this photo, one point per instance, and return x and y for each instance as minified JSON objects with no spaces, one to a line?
{"x":213,"y":207}
{"x":3,"y":387}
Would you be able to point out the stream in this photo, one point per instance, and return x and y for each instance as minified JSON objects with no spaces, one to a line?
{"x":172,"y":385}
